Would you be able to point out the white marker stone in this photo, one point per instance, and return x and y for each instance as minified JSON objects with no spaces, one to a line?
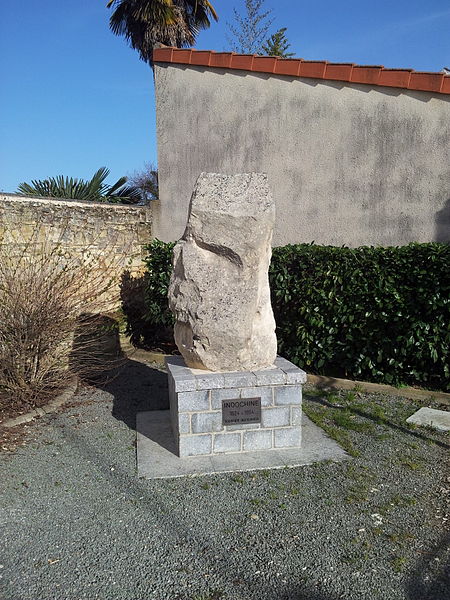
{"x":438,"y":419}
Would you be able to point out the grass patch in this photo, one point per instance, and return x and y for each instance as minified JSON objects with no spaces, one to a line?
{"x":359,"y":472}
{"x":357,"y":493}
{"x":400,"y":538}
{"x":412,"y":465}
{"x":350,"y":396}
{"x":237,"y":479}
{"x":333,"y":399}
{"x":362,"y":479}
{"x":347,"y":420}
{"x":399,"y":564}
{"x":258,"y":502}
{"x":321,"y":417}
{"x":359,"y":388}
{"x":361,"y":554}
{"x":396,"y":501}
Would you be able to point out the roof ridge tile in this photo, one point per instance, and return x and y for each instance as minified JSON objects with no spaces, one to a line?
{"x":426,"y":81}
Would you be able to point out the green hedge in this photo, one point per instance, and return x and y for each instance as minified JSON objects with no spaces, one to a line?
{"x":377,"y":314}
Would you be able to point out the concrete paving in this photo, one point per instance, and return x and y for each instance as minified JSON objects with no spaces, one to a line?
{"x":438,"y":419}
{"x":156,"y":458}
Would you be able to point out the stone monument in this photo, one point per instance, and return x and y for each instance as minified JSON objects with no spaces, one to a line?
{"x":219,"y":291}
{"x":229,"y":393}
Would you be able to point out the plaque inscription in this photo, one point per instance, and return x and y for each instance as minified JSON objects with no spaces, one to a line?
{"x":241,"y":411}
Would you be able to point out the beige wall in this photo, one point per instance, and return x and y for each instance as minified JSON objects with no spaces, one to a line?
{"x":348,"y":164}
{"x":113,"y":234}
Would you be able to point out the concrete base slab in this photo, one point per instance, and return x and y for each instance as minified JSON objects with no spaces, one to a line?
{"x":156,"y":458}
{"x":438,"y":419}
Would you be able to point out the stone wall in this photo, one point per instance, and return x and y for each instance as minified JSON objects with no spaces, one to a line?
{"x":347,"y":163}
{"x":112,"y":235}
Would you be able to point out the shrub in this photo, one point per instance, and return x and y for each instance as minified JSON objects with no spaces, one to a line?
{"x":51,"y":321}
{"x":149,"y":322}
{"x":379,"y":314}
{"x":159,"y":270}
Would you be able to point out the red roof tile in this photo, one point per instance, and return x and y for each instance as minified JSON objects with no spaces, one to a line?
{"x":297,"y":67}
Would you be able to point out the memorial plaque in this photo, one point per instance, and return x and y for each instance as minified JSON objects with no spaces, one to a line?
{"x":241,"y":411}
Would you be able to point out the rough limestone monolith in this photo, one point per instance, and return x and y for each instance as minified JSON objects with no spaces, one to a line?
{"x":219,"y":290}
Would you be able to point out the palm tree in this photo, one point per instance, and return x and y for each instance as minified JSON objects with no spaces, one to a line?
{"x":95,"y":189}
{"x":145,"y":23}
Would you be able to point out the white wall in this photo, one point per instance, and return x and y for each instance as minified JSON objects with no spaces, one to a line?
{"x":348,"y":164}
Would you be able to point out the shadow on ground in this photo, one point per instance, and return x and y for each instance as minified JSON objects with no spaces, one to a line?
{"x":430,"y":579}
{"x":136,"y":387}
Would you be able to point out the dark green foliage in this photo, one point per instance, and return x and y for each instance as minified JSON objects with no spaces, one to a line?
{"x":144,"y":300}
{"x":159,"y":269}
{"x":377,"y":314}
{"x":277,"y":45}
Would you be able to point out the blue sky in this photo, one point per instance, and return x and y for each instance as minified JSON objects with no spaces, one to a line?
{"x":75,"y":97}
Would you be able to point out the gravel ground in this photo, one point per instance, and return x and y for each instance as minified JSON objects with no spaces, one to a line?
{"x":77,"y":522}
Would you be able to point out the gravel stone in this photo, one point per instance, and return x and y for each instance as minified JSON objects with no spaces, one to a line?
{"x":76,"y":522}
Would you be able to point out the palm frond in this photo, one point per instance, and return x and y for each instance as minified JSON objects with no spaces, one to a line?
{"x":94,"y":189}
{"x":144,"y":23}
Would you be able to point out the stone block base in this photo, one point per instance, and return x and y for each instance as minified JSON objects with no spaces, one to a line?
{"x":198,"y":398}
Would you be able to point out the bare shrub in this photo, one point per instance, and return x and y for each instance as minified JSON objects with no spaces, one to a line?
{"x":52,"y":321}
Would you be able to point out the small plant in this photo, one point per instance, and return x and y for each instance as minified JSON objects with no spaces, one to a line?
{"x":238,"y":479}
{"x":357,"y":493}
{"x":333,"y":399}
{"x":411,"y":464}
{"x":350,"y":397}
{"x":399,"y":564}
{"x":400,"y":538}
{"x":258,"y":502}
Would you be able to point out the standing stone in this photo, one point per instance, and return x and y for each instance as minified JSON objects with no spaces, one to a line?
{"x":219,"y":290}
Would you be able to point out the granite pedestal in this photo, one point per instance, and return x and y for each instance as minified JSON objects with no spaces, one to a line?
{"x":203,"y":402}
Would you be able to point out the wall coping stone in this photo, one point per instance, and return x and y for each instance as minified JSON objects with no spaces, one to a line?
{"x":70,"y":201}
{"x":372,"y":75}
